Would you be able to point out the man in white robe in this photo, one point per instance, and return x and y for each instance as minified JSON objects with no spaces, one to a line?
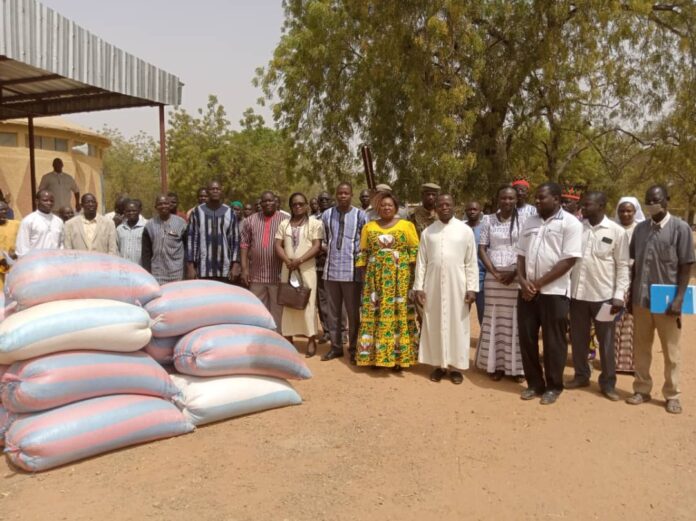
{"x":446,"y":284}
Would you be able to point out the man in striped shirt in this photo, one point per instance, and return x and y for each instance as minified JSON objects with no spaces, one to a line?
{"x":212,"y":249}
{"x":260,"y":265}
{"x":163,"y":243}
{"x":129,"y":234}
{"x":342,"y":227}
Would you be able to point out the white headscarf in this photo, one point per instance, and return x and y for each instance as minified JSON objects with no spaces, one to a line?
{"x":639,"y":217}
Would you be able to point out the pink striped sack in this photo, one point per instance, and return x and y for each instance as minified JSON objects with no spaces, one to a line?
{"x":58,"y":379}
{"x":237,"y":349}
{"x":47,"y":275}
{"x":190,"y":304}
{"x":73,"y":432}
{"x":162,"y":349}
{"x":68,"y":325}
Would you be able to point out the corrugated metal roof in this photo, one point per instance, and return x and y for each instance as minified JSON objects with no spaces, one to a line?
{"x":51,"y":65}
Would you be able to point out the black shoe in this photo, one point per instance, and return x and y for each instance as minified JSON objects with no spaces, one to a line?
{"x":611,"y":394}
{"x":332,"y":354}
{"x":576,"y":383}
{"x":529,"y":394}
{"x":549,"y":397}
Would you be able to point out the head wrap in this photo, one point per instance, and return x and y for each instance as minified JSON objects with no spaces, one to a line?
{"x":520,"y":182}
{"x":639,"y":217}
{"x":237,"y":204}
{"x":572,"y":192}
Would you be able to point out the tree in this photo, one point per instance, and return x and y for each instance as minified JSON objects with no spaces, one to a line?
{"x":131,"y":166}
{"x":444,"y":90}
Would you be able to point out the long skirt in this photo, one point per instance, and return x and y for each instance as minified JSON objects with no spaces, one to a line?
{"x":498,"y":347}
{"x":623,"y":343}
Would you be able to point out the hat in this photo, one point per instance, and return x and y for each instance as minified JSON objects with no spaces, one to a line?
{"x":238,"y":204}
{"x":573,"y":192}
{"x":430,"y":187}
{"x":383,"y":188}
{"x":520,"y":180}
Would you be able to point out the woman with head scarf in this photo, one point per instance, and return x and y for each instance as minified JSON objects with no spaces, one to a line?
{"x":628,"y":214}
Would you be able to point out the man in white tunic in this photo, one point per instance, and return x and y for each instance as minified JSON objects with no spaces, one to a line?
{"x":446,"y":284}
{"x":40,"y":229}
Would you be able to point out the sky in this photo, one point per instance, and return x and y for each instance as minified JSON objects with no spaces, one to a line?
{"x":213,"y":46}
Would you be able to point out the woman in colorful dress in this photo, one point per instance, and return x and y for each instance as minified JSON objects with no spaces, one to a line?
{"x":297,"y":242}
{"x":628,"y":214}
{"x":388,"y":251}
{"x":498,"y":350}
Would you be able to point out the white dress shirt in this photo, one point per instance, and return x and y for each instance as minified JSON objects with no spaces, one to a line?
{"x":39,"y":231}
{"x":543,"y":243}
{"x":602,"y":273}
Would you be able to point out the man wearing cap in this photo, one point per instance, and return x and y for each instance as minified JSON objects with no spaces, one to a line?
{"x":570,"y":201}
{"x":425,"y":215}
{"x":521,"y":184}
{"x":372,"y":214}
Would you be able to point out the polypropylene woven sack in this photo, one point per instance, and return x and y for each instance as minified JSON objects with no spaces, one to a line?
{"x":206,"y":400}
{"x":102,"y":325}
{"x":48,"y":439}
{"x":6,"y":419}
{"x":47,"y":275}
{"x":61,"y":378}
{"x":235,"y":349}
{"x":190,"y":304}
{"x":162,"y":349}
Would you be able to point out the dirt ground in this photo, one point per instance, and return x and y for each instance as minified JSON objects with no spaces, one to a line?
{"x":383,"y":446}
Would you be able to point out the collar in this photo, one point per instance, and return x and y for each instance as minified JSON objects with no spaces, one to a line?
{"x":84,"y":219}
{"x":134,"y":227}
{"x":663,"y":222}
{"x":604,"y":223}
{"x":556,"y":217}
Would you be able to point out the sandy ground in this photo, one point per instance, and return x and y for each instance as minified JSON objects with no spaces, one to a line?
{"x":383,"y":446}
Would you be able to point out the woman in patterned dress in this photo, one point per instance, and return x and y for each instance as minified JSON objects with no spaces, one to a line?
{"x":628,"y":214}
{"x":388,"y":250}
{"x":498,"y":351}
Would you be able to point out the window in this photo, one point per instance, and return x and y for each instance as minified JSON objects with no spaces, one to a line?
{"x":61,"y":145}
{"x":8,"y":139}
{"x":93,"y":151}
{"x":49,"y":143}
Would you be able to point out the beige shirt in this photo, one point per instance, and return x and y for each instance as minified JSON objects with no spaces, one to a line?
{"x":62,"y":186}
{"x":90,"y":228}
{"x":602,"y":273}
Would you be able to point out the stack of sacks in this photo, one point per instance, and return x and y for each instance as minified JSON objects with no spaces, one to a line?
{"x":230,"y":359}
{"x":77,"y":384}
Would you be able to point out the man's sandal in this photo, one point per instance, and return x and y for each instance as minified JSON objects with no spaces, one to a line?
{"x":437,"y":374}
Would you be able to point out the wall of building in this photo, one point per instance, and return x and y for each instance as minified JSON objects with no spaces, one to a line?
{"x":55,"y":137}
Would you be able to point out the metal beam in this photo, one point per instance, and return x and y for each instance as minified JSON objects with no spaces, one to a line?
{"x":163,"y":152}
{"x":56,"y":94}
{"x":31,"y":79}
{"x":32,"y":163}
{"x":89,"y":103}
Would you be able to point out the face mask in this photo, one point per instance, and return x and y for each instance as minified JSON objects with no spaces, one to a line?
{"x":653,"y":209}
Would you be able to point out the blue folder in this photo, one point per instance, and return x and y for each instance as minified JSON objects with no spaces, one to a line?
{"x":662,"y":295}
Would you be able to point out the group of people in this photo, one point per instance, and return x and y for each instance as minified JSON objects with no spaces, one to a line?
{"x":396,"y":286}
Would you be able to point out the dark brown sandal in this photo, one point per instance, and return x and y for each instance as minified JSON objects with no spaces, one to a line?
{"x":437,"y":374}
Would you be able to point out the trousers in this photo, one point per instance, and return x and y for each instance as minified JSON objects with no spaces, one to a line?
{"x":343,"y":295}
{"x":582,"y":313}
{"x":550,"y":313}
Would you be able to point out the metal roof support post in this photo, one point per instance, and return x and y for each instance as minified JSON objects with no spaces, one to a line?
{"x":32,"y":162}
{"x":163,"y":152}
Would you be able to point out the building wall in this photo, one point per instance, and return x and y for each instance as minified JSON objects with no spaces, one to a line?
{"x":86,"y":168}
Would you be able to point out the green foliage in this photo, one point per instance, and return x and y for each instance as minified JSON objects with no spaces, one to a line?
{"x":131,"y":166}
{"x":469,"y":93}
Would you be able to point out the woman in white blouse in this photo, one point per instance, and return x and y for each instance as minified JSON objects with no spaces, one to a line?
{"x":498,"y":350}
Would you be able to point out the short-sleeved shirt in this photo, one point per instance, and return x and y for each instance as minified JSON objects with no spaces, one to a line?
{"x":477,"y":236}
{"x":258,"y":236}
{"x":602,"y":272}
{"x":545,"y":242}
{"x":342,"y":240}
{"x":659,"y":249}
{"x":62,"y":186}
{"x":129,"y":240}
{"x":501,"y":237}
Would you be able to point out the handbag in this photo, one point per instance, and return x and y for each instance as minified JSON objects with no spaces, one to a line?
{"x":291,"y":296}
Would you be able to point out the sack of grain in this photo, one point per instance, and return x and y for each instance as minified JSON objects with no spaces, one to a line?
{"x":190,"y":304}
{"x":236,"y":349}
{"x":62,"y":378}
{"x":102,"y":325}
{"x":162,"y":349}
{"x":48,"y":275}
{"x":48,"y":439}
{"x":206,"y":400}
{"x":6,"y":419}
